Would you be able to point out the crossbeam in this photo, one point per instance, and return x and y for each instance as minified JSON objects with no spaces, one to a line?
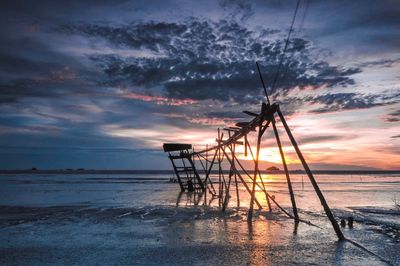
{"x":266,"y":114}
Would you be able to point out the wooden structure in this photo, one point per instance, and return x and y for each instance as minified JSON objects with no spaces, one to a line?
{"x":186,"y":173}
{"x":224,"y":150}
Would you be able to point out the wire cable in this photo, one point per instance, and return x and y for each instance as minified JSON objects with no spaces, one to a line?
{"x":285,"y":48}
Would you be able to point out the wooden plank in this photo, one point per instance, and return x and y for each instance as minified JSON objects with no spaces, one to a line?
{"x":180,"y":156}
{"x":176,"y":147}
{"x":250,"y":113}
{"x":242,"y":124}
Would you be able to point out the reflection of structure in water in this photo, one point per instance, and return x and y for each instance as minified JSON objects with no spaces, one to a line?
{"x":191,"y":199}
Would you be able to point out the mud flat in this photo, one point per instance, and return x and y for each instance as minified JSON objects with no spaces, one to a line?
{"x":166,"y":235}
{"x":123,"y":220}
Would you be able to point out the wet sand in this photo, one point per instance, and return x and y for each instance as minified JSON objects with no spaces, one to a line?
{"x":106,"y":220}
{"x":166,"y":235}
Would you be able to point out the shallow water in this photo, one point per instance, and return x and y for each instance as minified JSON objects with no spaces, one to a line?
{"x":341,"y":191}
{"x":137,"y":213}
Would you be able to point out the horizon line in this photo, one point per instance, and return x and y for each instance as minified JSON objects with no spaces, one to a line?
{"x":84,"y":170}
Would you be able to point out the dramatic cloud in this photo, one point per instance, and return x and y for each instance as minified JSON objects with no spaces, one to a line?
{"x":84,"y":82}
{"x":208,"y":60}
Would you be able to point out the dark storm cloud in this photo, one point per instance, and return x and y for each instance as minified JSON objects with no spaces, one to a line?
{"x":241,"y":8}
{"x":208,"y":60}
{"x":349,"y":101}
{"x":11,"y":93}
{"x":71,"y":72}
{"x":371,"y":25}
{"x":152,"y":35}
{"x":47,"y":10}
{"x":393,"y":116}
{"x":380,"y":63}
{"x":24,"y":57}
{"x":336,"y":102}
{"x":371,"y":14}
{"x":316,"y":139}
{"x":23,"y":88}
{"x":225,"y":114}
{"x":29,"y":67}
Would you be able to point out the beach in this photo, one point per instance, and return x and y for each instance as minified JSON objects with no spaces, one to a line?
{"x":142,"y":219}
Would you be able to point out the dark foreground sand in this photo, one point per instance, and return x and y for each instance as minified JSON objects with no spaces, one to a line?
{"x":83,"y":235}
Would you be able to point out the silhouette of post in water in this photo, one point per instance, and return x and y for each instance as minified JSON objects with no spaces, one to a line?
{"x":232,"y":170}
{"x":292,"y":199}
{"x":278,"y":141}
{"x":253,"y":190}
{"x":190,"y":186}
{"x":311,"y":177}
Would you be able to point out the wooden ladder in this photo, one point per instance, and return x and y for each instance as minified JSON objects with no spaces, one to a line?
{"x":184,"y":167}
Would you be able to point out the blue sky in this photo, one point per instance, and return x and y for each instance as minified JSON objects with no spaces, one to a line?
{"x":102,"y":84}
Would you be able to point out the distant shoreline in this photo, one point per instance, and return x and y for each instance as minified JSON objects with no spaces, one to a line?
{"x":152,"y":172}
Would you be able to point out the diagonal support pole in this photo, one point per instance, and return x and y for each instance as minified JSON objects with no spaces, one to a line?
{"x":253,"y":191}
{"x":209,"y":172}
{"x":293,"y":200}
{"x":259,"y":173}
{"x":231,"y":172}
{"x":312,"y":179}
{"x":242,"y":180}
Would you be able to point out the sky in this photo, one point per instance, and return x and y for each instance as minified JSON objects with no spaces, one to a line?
{"x":103,"y":84}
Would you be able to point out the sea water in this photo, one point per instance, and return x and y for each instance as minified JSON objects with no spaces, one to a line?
{"x":115,"y":199}
{"x":341,"y":191}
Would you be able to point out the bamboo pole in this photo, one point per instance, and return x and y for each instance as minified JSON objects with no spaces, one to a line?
{"x":231,"y":171}
{"x":312,"y":179}
{"x":259,"y":173}
{"x":243,"y":181}
{"x":292,"y":199}
{"x":227,"y":191}
{"x":205,"y":171}
{"x":253,"y":191}
{"x":206,"y":157}
{"x":209,"y":171}
{"x":237,"y":192}
{"x":176,"y":172}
